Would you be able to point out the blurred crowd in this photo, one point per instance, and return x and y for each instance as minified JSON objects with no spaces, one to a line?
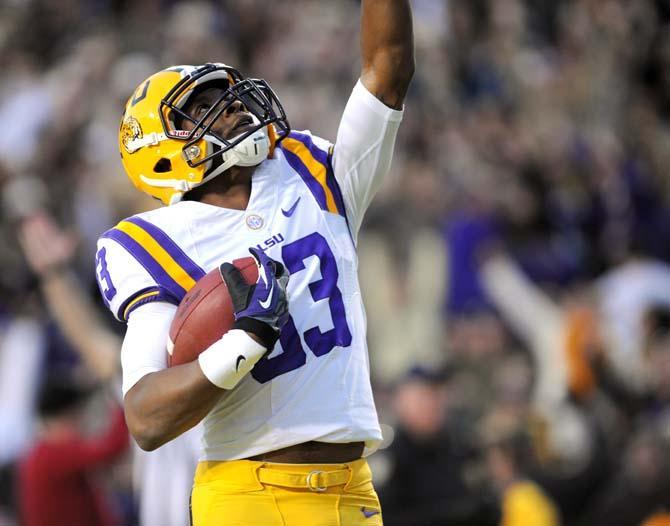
{"x":515,"y":267}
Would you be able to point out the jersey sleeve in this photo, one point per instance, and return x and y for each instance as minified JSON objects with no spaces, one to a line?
{"x":362,"y":154}
{"x":144,"y":348}
{"x":124,"y":282}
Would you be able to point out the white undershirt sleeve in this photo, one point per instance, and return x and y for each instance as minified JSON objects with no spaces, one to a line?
{"x":363,"y":151}
{"x":144,"y":348}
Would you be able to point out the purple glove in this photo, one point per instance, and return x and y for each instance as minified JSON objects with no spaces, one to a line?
{"x":261,"y":308}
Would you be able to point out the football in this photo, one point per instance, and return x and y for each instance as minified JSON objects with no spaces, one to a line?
{"x":205,"y":314}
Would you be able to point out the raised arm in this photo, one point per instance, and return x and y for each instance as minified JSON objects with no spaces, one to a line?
{"x":49,"y":251}
{"x":387,"y":49}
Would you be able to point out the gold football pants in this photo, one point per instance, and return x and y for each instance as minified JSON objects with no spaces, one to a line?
{"x":249,"y":493}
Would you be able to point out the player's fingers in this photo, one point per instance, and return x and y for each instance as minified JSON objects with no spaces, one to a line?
{"x":282,"y":275}
{"x":267,"y":266}
{"x":238,"y":288}
{"x":283,"y":281}
{"x":258,"y":255}
{"x":280,"y":270}
{"x":264,"y":260}
{"x":232,"y":276}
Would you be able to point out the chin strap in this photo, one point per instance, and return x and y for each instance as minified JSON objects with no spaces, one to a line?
{"x":152,"y":139}
{"x":179,"y":186}
{"x":272,"y":136}
{"x":250,"y":152}
{"x":176,"y":184}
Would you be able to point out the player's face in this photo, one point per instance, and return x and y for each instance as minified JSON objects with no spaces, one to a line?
{"x":234,"y":121}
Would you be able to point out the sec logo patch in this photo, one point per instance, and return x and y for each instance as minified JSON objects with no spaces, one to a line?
{"x":254,"y":221}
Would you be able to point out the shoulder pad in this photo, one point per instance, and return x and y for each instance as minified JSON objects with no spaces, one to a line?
{"x":137,"y":262}
{"x":311,"y":158}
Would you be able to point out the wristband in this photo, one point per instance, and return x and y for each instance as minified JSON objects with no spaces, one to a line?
{"x":226,"y":361}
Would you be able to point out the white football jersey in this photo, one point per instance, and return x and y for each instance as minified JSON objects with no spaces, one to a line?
{"x":305,"y":210}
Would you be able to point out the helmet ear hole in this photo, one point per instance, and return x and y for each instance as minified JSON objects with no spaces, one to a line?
{"x":162,"y":166}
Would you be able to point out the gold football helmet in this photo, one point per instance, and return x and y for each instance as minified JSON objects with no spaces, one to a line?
{"x":165,"y":161}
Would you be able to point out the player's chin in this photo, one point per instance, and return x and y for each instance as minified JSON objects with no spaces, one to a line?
{"x":236,"y":175}
{"x":240,"y":130}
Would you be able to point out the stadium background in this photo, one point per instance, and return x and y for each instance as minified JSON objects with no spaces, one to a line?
{"x":515,"y":266}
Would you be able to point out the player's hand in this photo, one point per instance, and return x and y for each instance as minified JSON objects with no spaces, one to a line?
{"x":262,"y":308}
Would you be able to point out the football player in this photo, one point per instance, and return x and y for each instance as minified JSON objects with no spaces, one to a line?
{"x":285,"y":395}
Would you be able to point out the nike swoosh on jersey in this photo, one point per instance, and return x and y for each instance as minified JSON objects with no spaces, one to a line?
{"x":289,"y":212}
{"x":369,"y":512}
{"x":239,"y":359}
{"x":265,"y":304}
